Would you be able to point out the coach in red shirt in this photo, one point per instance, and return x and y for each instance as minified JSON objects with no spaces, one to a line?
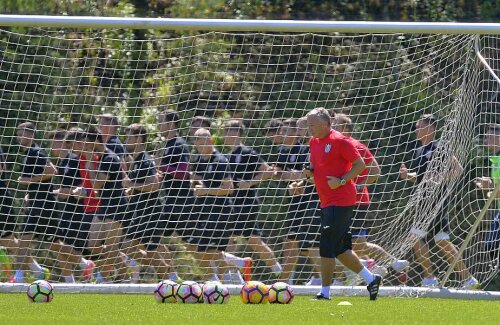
{"x":335,"y":163}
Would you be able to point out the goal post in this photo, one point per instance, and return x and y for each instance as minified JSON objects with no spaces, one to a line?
{"x":65,"y":73}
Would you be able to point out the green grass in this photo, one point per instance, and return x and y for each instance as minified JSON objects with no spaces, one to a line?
{"x":143,"y":309}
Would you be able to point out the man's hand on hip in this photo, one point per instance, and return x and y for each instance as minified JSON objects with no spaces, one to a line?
{"x":333,"y":182}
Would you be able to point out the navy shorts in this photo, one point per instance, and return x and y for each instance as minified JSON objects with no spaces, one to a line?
{"x":304,"y":222}
{"x":114,"y":211}
{"x":178,"y":216}
{"x":74,"y":229}
{"x":213,"y":228}
{"x":42,"y":220}
{"x":145,"y":219}
{"x":246,"y":215}
{"x":335,"y":231}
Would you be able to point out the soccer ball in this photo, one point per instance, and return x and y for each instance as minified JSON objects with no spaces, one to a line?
{"x":165,"y":291}
{"x":215,"y":293}
{"x":188,"y":292}
{"x":254,"y":292}
{"x":40,"y":291}
{"x":280,"y":293}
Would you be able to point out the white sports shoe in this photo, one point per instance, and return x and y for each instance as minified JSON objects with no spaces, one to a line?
{"x":430,"y":282}
{"x":470,"y":283}
{"x":380,"y":270}
{"x":314,"y":281}
{"x":400,"y":265}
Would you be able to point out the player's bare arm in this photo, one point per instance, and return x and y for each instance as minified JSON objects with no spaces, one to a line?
{"x":226,"y":188}
{"x":373,"y":174}
{"x":150,"y":184}
{"x":265,"y":172}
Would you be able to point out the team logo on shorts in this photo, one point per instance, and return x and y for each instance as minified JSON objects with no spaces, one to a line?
{"x":328,"y":147}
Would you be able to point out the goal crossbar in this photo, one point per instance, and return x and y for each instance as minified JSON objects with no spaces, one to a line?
{"x":237,"y":25}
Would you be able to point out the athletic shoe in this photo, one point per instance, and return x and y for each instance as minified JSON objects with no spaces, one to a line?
{"x":88,"y":271}
{"x":374,"y":286}
{"x":470,"y":284}
{"x":400,"y":265}
{"x":314,"y":281}
{"x":247,"y":269}
{"x":320,"y":296}
{"x":430,"y":282}
{"x":380,"y":270}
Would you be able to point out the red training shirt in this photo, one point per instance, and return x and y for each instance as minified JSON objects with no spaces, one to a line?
{"x":91,"y":202}
{"x":333,"y":155}
{"x":363,"y":197}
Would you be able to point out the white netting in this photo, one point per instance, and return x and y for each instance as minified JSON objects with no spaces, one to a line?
{"x":59,"y":79}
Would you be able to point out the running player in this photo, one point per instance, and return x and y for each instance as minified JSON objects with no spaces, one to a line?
{"x":249,"y":169}
{"x":143,"y":239}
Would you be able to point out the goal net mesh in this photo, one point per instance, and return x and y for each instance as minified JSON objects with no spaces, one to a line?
{"x":62,"y":79}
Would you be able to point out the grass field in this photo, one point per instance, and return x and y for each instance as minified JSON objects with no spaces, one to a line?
{"x":143,"y":309}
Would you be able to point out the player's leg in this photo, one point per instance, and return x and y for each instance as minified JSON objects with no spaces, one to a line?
{"x":292,"y":243}
{"x":422,"y":257}
{"x":441,"y":231}
{"x":96,"y":236}
{"x":265,"y":253}
{"x":309,"y":235}
{"x":290,"y":258}
{"x":336,"y":243}
{"x":112,"y":251}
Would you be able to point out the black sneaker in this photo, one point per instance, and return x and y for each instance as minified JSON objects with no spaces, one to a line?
{"x":374,"y":286}
{"x":320,"y":296}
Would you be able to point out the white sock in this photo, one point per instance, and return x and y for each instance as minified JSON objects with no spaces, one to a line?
{"x":173,"y":276}
{"x":234,"y":260}
{"x":325,"y":291}
{"x":19,"y":276}
{"x":35,"y":267}
{"x":367,"y":275}
{"x":69,"y":278}
{"x":277,"y":268}
{"x":84,"y":263}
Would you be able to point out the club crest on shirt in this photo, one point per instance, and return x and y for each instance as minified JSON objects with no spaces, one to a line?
{"x":328,"y":147}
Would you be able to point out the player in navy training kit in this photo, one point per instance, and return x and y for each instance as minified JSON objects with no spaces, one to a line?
{"x":303,"y":220}
{"x":248,"y":169}
{"x":213,"y":187}
{"x":142,"y":237}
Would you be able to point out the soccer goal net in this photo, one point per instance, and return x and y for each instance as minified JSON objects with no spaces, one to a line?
{"x":207,"y":181}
